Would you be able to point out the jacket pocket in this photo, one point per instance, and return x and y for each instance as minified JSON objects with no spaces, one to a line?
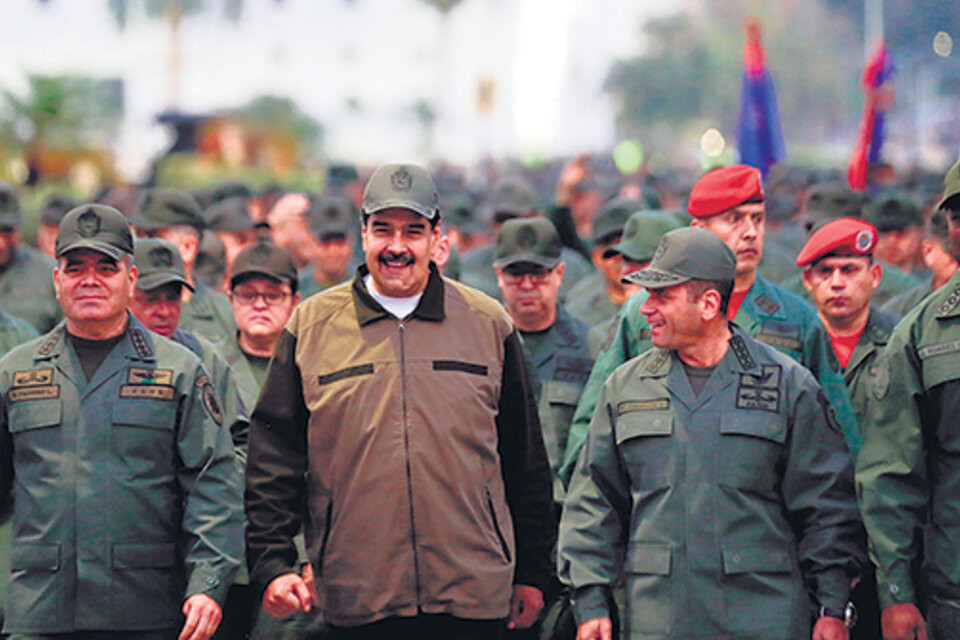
{"x":646,"y":443}
{"x":751,"y":448}
{"x":143,"y":555}
{"x":763,"y":578}
{"x":651,"y":607}
{"x":143,"y":428}
{"x":35,"y":557}
{"x":26,"y":415}
{"x":504,"y":547}
{"x":756,"y":559}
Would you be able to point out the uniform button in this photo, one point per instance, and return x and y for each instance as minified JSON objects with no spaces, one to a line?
{"x":736,"y":559}
{"x":212,"y":581}
{"x":656,"y":422}
{"x":894,"y":588}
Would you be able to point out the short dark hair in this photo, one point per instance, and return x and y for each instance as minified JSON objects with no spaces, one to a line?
{"x":696,"y":288}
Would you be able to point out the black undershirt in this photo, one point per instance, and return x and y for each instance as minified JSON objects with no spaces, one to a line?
{"x":92,"y":353}
{"x":697,"y":376}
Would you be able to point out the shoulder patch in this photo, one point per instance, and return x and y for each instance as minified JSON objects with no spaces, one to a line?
{"x":879,"y":378}
{"x":32,"y":378}
{"x":828,"y":412}
{"x":51,"y":342}
{"x":209,"y":396}
{"x":630,"y":406}
{"x":743,"y":354}
{"x":141,"y":345}
{"x":768,"y":305}
{"x":947,"y":305}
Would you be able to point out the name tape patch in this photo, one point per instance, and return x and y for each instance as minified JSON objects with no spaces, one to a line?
{"x":156,"y":392}
{"x":34,"y":393}
{"x":630,"y":406}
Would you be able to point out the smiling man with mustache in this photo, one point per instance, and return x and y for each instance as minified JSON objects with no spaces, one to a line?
{"x":397,"y":425}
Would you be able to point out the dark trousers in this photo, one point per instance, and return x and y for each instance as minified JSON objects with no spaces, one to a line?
{"x":943,"y":621}
{"x":422,"y":627}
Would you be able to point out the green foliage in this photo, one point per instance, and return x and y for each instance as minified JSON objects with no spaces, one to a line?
{"x":277,"y":114}
{"x":60,"y":111}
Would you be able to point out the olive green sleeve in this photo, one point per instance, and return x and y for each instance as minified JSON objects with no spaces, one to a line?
{"x":595,"y":519}
{"x":819,"y":358}
{"x":892,"y":482}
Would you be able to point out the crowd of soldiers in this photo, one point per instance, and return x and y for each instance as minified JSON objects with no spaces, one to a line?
{"x":549,"y":406}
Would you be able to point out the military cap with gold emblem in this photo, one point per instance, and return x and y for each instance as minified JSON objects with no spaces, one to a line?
{"x":527,"y":240}
{"x":401,"y":186}
{"x":97,"y":227}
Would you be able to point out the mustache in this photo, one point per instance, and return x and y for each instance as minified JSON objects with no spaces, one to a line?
{"x":405,"y":259}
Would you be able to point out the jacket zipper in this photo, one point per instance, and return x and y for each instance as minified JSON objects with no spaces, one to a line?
{"x":406,"y":447}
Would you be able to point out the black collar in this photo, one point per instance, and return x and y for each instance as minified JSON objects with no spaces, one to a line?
{"x":430,"y":307}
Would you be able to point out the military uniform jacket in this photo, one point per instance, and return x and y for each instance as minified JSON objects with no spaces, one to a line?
{"x":14,"y":331}
{"x":589,"y":300}
{"x":768,"y":313}
{"x":415,"y":448}
{"x":721,"y":509}
{"x":26,"y":289}
{"x":860,"y":368}
{"x":908,"y":472}
{"x":127,"y":498}
{"x":208,"y":314}
{"x":562,"y":362}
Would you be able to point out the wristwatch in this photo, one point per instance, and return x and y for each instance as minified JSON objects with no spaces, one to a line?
{"x":848,"y":614}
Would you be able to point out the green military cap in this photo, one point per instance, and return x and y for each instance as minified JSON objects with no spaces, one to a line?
{"x":162,"y":208}
{"x":159,"y":263}
{"x":612,"y":217}
{"x":951,"y":189}
{"x":97,"y":227}
{"x":54,"y":208}
{"x":459,"y":212}
{"x":688,"y":253}
{"x":404,"y":186}
{"x":511,"y":197}
{"x":9,"y":206}
{"x":232,"y":214}
{"x":831,"y":200}
{"x":527,"y":240}
{"x":330,"y":216}
{"x":894,"y":212}
{"x":937,"y":226}
{"x":231,"y":189}
{"x":642,"y":233}
{"x":264,"y":259}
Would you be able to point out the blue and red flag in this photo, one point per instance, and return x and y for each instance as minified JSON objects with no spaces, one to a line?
{"x":878,"y":86}
{"x":759,"y":135}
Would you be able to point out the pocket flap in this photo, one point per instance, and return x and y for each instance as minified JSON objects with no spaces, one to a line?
{"x":143,"y":555}
{"x":635,"y":424}
{"x":33,"y":414}
{"x":145,"y":412}
{"x":756,"y":559}
{"x":649,"y":558}
{"x":758,"y":424}
{"x":562,"y":392}
{"x":35,"y":557}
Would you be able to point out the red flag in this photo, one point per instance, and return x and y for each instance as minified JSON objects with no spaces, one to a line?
{"x":879,"y":97}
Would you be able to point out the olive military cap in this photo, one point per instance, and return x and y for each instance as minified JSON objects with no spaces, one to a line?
{"x":612,"y":218}
{"x":641,"y":235}
{"x":951,"y":189}
{"x":404,"y":186}
{"x":527,"y":240}
{"x":459,"y":212}
{"x":54,"y":208}
{"x":894,"y":212}
{"x":689,"y":253}
{"x":163,"y":208}
{"x":159,"y":263}
{"x":330,"y":216}
{"x":232,"y":214}
{"x":511,"y":196}
{"x":832,"y":200}
{"x":97,"y":227}
{"x":264,"y":259}
{"x":9,"y":206}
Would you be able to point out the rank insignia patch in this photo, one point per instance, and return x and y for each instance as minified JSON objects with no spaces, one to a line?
{"x":138,"y":375}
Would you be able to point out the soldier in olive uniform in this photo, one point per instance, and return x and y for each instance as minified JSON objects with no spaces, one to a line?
{"x":729,"y":202}
{"x":127,"y":518}
{"x":26,"y":288}
{"x":908,"y":474}
{"x":230,"y":221}
{"x":714,"y":477}
{"x":175,"y":216}
{"x":333,"y":223}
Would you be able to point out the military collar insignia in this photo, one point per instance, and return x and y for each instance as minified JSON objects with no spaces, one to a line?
{"x":656,"y":362}
{"x":949,"y":306}
{"x":140,"y":344}
{"x":740,"y":350}
{"x":48,"y":346}
{"x":767,"y":305}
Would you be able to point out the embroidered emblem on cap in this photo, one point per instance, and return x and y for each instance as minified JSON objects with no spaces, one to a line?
{"x":160,"y":257}
{"x":862,"y":243}
{"x":526,"y":237}
{"x":661,"y":248}
{"x":401,"y":180}
{"x":88,"y":224}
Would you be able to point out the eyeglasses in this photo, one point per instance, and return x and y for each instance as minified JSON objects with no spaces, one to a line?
{"x":249,"y":296}
{"x":515,"y":274}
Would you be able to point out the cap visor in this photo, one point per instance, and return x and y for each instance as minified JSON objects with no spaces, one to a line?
{"x":635,"y":254}
{"x":429,"y":214}
{"x":102,"y":247}
{"x":654,"y":278}
{"x":549,"y":263}
{"x":154,"y":280}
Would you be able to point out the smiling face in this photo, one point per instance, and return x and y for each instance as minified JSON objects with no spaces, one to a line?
{"x":741,"y":229}
{"x":674,"y":317}
{"x":398,"y":244}
{"x":93,"y":290}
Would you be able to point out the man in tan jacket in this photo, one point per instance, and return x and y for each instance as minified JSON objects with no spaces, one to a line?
{"x":397,"y":425}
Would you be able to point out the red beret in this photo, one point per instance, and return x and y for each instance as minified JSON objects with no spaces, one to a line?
{"x":845,"y":237}
{"x":725,"y":188}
